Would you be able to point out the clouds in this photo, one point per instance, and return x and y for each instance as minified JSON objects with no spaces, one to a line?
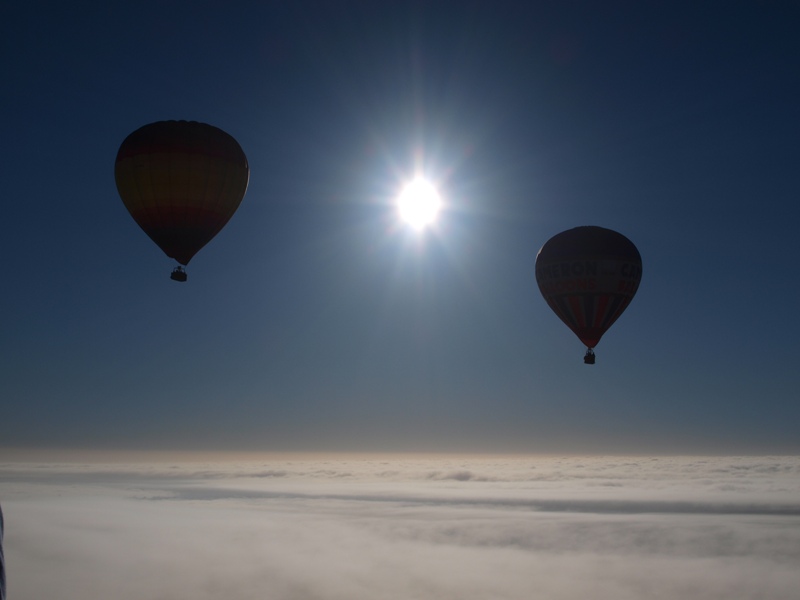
{"x":405,"y":527}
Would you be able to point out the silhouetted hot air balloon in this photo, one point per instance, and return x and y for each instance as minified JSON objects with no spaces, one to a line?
{"x":588,"y":275}
{"x":181,"y":181}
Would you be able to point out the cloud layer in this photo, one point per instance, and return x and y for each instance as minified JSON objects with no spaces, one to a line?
{"x":291,"y":528}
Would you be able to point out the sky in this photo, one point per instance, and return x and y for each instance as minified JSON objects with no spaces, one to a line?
{"x":402,"y":527}
{"x":315,"y":321}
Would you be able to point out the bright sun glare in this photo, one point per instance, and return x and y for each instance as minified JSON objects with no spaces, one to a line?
{"x":419,"y":203}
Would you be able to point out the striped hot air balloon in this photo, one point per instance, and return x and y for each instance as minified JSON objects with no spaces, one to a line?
{"x":588,"y":276}
{"x":181,"y":181}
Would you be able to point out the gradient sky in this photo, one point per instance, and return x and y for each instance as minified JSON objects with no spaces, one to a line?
{"x":315,"y":321}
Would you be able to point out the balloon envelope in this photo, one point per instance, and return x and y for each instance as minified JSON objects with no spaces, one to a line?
{"x":181,"y":181}
{"x":588,"y":276}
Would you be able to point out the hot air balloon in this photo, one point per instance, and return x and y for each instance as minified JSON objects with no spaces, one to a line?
{"x":181,"y":181}
{"x":588,"y":276}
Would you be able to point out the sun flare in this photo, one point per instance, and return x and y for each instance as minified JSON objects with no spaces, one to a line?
{"x":419,"y":203}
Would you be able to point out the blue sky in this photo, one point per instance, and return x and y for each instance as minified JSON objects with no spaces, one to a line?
{"x":314,"y":321}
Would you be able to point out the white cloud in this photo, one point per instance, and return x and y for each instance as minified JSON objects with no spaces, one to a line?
{"x":289,"y":528}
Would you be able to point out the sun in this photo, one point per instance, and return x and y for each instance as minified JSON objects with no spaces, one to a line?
{"x":418,"y":204}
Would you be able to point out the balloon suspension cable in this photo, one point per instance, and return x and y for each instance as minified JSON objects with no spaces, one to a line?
{"x":178,"y":274}
{"x":588,"y":358}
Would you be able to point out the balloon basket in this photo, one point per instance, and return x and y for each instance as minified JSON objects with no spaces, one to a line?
{"x":588,"y":358}
{"x":178,"y":274}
